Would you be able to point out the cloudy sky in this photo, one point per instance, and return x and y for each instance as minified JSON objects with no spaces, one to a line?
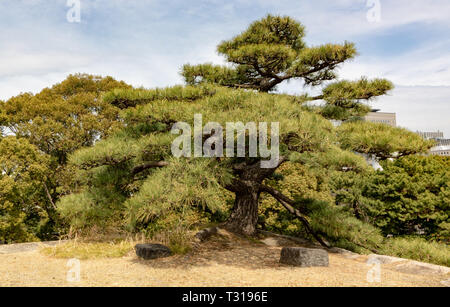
{"x":145,"y":42}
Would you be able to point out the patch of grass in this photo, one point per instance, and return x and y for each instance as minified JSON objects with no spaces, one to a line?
{"x":179,"y":240}
{"x":89,"y":250}
{"x":180,"y":249}
{"x":418,"y":249}
{"x":113,"y":245}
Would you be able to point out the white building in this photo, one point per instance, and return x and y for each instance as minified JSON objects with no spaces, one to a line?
{"x":442,"y":147}
{"x":382,"y":117}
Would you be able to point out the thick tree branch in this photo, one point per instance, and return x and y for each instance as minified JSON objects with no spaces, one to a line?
{"x":248,"y":175}
{"x":316,"y":97}
{"x":288,"y":204}
{"x":106,"y":161}
{"x":140,"y":168}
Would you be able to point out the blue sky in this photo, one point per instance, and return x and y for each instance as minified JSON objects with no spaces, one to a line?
{"x":145,"y":42}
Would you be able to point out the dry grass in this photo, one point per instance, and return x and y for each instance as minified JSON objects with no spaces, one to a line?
{"x":89,"y":250}
{"x":222,"y":269}
{"x":219,"y":262}
{"x":94,"y":246}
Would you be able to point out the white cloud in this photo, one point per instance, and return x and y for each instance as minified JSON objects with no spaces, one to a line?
{"x":342,"y":19}
{"x":426,"y":66}
{"x":423,"y":108}
{"x":38,"y":63}
{"x":146,"y":42}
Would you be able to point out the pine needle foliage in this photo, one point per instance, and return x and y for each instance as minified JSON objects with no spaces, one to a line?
{"x":269,"y":52}
{"x":181,"y":187}
{"x":380,"y":140}
{"x":124,"y":98}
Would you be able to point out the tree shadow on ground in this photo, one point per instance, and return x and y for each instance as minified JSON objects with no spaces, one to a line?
{"x":230,"y":250}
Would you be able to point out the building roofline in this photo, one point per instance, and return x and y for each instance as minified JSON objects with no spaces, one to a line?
{"x":383,"y":112}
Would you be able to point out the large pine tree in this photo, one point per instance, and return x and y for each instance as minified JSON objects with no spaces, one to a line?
{"x":133,"y":175}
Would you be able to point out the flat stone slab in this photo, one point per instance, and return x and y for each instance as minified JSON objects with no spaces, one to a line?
{"x":382,"y":259}
{"x":420,"y":268}
{"x":152,"y":251}
{"x":26,"y":247}
{"x":304,"y":257}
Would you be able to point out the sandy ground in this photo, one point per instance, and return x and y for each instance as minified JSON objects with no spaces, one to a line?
{"x":213,"y":264}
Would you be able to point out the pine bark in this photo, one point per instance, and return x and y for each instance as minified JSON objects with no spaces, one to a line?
{"x":244,"y":215}
{"x":247,"y":188}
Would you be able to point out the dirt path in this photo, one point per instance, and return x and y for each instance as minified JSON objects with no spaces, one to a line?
{"x":214,"y":264}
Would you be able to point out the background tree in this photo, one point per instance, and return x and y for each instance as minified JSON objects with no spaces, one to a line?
{"x":23,"y":201}
{"x":65,"y":117}
{"x":57,"y":121}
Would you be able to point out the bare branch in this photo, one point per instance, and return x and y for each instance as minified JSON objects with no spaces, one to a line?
{"x":49,"y":196}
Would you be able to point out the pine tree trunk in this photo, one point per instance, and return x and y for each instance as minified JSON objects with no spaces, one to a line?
{"x":247,"y":188}
{"x":244,"y":215}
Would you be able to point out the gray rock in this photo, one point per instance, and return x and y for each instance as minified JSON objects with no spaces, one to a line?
{"x":345,"y":253}
{"x":304,"y":257}
{"x":382,"y":259}
{"x":205,"y":234}
{"x":152,"y":251}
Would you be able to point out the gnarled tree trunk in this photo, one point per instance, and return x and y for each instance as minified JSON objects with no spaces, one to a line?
{"x":244,"y":215}
{"x":247,"y":187}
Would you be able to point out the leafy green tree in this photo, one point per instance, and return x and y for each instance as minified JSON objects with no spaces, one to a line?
{"x":65,"y":117}
{"x":24,"y":205}
{"x":57,"y":121}
{"x":378,"y":142}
